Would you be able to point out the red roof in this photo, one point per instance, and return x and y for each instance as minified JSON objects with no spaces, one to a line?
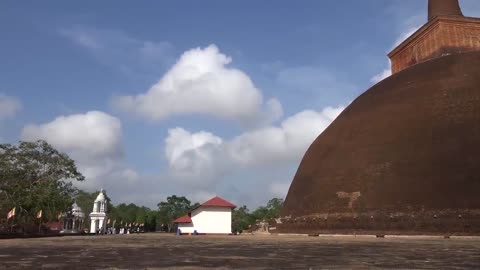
{"x":217,"y":201}
{"x":183,"y":219}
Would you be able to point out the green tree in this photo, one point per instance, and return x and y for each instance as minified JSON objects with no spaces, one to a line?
{"x":260,"y":213}
{"x":125,"y":213}
{"x":241,"y":219}
{"x":271,"y":210}
{"x":133,"y":214}
{"x":34,"y":176}
{"x":174,"y":207}
{"x":274,"y":207}
{"x":151,"y":221}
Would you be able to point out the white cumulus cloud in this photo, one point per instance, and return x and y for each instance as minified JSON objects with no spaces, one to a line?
{"x":93,"y":140}
{"x":95,"y":132}
{"x":201,"y":82}
{"x":201,"y":158}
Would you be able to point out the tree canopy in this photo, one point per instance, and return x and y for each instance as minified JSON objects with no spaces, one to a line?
{"x":35,"y":176}
{"x":171,"y":209}
{"x":242,"y":218}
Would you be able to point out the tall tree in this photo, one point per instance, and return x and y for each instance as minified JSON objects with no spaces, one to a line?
{"x":174,"y":207}
{"x":241,"y":219}
{"x":271,"y":210}
{"x":274,"y":207}
{"x":34,"y":176}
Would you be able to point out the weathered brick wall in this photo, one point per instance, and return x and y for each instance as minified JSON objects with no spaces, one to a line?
{"x":439,"y":37}
{"x":446,"y":221}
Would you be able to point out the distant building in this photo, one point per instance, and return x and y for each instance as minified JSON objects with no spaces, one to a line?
{"x":73,"y":221}
{"x":98,"y":216}
{"x":211,"y":217}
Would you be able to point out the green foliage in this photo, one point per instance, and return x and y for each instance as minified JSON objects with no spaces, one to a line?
{"x":123,"y":214}
{"x":274,"y":207}
{"x":34,"y":176}
{"x":241,"y":219}
{"x":260,"y":213}
{"x":171,"y":209}
{"x":151,"y":221}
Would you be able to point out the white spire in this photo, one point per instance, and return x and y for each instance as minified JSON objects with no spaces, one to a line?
{"x":100,"y":197}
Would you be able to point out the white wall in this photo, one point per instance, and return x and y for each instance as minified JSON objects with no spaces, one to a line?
{"x":212,"y":219}
{"x":186,"y":227}
{"x":93,"y":227}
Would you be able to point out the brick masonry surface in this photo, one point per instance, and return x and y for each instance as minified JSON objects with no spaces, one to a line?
{"x":441,"y":36}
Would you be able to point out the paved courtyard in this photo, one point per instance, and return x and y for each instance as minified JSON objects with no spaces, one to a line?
{"x":223,"y":252}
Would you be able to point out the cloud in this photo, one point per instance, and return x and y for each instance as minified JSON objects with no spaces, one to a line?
{"x":95,"y":132}
{"x":9,"y":106}
{"x":286,"y":142}
{"x":202,"y":83}
{"x":194,"y":158}
{"x":93,"y":140}
{"x":121,"y":51}
{"x":200,"y":159}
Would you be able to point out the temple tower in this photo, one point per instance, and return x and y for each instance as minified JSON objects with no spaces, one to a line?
{"x":443,"y":8}
{"x":99,"y":214}
{"x":446,"y":32}
{"x":403,"y":157}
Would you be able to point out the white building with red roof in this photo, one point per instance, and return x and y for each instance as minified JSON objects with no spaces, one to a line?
{"x":211,"y":217}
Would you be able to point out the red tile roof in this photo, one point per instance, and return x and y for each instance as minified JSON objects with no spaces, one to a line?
{"x":183,"y":219}
{"x":217,"y":201}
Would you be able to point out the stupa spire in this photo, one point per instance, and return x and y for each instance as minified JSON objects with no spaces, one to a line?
{"x":443,"y":8}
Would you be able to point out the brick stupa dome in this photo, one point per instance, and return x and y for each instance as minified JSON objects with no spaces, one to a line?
{"x":403,"y":157}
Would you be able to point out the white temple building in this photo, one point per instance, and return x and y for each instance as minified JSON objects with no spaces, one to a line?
{"x":211,"y":217}
{"x":98,"y":217}
{"x":73,"y":220}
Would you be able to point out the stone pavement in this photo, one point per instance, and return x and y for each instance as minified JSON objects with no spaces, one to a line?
{"x":155,"y":250}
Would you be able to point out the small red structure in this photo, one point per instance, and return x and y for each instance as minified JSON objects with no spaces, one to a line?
{"x":183,"y":219}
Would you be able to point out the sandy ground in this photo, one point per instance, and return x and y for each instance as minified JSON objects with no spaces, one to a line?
{"x":155,"y":250}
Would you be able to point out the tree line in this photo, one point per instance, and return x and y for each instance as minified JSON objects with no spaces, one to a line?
{"x":36,"y":187}
{"x":172,"y":208}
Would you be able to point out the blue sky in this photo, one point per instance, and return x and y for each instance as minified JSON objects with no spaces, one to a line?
{"x":195,"y":98}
